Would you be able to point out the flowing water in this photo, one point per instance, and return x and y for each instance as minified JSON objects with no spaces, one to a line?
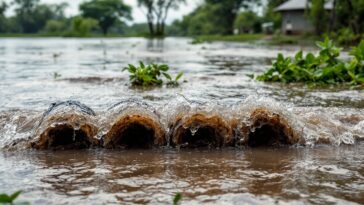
{"x":218,"y":138}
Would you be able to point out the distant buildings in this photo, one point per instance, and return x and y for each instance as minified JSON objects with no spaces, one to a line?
{"x":294,"y":19}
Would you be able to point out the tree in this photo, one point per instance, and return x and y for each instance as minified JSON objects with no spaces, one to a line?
{"x":25,"y":14}
{"x":157,"y":13}
{"x":213,"y":17}
{"x":106,"y":12}
{"x":81,"y":27}
{"x":55,"y":26}
{"x":248,"y":22}
{"x":318,"y":15}
{"x":3,"y":7}
{"x":350,"y":13}
{"x":270,"y":15}
{"x":228,"y":11}
{"x":58,"y":10}
{"x":31,"y":16}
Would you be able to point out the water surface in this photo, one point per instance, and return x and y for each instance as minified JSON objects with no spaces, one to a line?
{"x":37,"y":72}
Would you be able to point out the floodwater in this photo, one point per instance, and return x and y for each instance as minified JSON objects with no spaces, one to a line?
{"x":218,"y":138}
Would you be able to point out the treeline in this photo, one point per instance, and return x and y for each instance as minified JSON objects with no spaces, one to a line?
{"x":345,"y":22}
{"x":95,"y":17}
{"x":30,"y":17}
{"x":215,"y":17}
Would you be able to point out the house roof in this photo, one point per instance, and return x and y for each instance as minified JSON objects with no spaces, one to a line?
{"x":299,"y":5}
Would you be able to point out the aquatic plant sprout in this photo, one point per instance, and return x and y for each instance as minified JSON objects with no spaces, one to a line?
{"x":150,"y":75}
{"x":9,"y":199}
{"x":324,"y":68}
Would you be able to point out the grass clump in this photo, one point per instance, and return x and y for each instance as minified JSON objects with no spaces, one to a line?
{"x":9,"y":199}
{"x":232,"y":38}
{"x":324,"y":68}
{"x":177,"y":199}
{"x":151,"y":75}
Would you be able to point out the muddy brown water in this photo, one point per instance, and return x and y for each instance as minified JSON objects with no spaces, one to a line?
{"x":219,"y":138}
{"x":320,"y":175}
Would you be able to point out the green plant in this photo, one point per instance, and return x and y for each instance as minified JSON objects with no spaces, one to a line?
{"x":197,"y":41}
{"x":9,"y":199}
{"x":324,"y":68}
{"x":177,"y":198}
{"x":56,"y":75}
{"x":173,"y":82}
{"x":150,"y":75}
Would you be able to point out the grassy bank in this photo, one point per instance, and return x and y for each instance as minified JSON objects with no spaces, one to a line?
{"x":268,"y":39}
{"x":236,"y":38}
{"x":292,"y":40}
{"x":45,"y":35}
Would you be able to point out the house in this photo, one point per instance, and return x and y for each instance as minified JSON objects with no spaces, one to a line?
{"x":294,"y":18}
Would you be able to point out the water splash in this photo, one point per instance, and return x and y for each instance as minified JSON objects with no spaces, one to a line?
{"x":184,"y":122}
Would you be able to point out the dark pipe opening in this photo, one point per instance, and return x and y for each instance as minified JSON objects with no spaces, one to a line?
{"x":134,"y":136}
{"x":268,"y":135}
{"x":204,"y":137}
{"x":65,"y":137}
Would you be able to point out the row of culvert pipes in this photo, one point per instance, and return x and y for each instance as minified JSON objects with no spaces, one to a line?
{"x":72,"y":125}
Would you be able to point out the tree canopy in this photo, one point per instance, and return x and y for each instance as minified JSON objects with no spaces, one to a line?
{"x":106,"y":12}
{"x":214,"y":17}
{"x":157,"y":13}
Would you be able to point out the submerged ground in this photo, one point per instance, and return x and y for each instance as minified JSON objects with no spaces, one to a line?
{"x":37,"y":72}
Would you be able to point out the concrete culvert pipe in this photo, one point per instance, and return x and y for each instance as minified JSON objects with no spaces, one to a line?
{"x":200,"y":130}
{"x":66,"y":125}
{"x":267,"y":128}
{"x":135,"y":131}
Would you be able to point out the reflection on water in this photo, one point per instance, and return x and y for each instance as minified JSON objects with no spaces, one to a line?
{"x":90,"y":69}
{"x":256,"y":176}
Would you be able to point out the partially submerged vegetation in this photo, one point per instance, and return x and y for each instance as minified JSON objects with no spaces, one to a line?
{"x":10,"y":199}
{"x":236,"y":38}
{"x":324,"y":68}
{"x":150,"y":75}
{"x":177,"y":199}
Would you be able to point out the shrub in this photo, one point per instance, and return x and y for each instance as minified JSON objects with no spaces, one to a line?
{"x":55,"y":26}
{"x":150,"y":75}
{"x":324,"y":68}
{"x":9,"y":199}
{"x":82,"y":27}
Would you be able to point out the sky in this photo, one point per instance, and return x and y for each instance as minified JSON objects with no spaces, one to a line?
{"x":138,"y":15}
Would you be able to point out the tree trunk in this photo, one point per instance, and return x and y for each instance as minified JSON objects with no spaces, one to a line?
{"x":333,"y":17}
{"x":105,"y":30}
{"x":151,"y":28}
{"x":354,"y":18}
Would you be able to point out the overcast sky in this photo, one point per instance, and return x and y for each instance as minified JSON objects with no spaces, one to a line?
{"x":138,"y":15}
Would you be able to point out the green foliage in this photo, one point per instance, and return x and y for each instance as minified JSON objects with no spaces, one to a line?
{"x":248,"y":22}
{"x":324,"y":68}
{"x":157,"y":13}
{"x":56,"y":75}
{"x":55,"y":26}
{"x":177,"y":199}
{"x":236,"y":38}
{"x":9,"y":199}
{"x":3,"y":8}
{"x":213,"y":17}
{"x":272,"y":16}
{"x":349,"y":14}
{"x":31,"y":16}
{"x":82,"y":27}
{"x":318,"y":16}
{"x":150,"y":75}
{"x":173,"y":82}
{"x":106,"y":12}
{"x":346,"y":37}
